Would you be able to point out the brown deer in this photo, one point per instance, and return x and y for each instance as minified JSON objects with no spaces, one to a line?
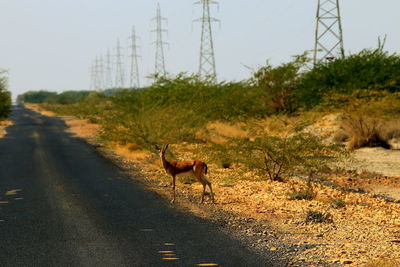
{"x":195,"y":168}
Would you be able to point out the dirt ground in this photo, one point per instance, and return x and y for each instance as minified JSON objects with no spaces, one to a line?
{"x":3,"y":125}
{"x":363,"y":231}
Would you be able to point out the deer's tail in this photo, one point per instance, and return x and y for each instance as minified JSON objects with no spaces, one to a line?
{"x":205,"y":168}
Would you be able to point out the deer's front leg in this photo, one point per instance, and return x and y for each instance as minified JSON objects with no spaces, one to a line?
{"x":173,"y":188}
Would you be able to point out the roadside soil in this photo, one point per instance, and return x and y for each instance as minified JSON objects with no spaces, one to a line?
{"x":3,"y":125}
{"x":364,"y":232}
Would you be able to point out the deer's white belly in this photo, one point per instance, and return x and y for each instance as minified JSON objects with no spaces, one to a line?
{"x":188,"y":173}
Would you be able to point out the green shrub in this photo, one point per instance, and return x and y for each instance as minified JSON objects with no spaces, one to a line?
{"x":306,"y":194}
{"x":5,"y":98}
{"x":315,"y":216}
{"x":280,"y":83}
{"x":284,"y":156}
{"x":338,"y":203}
{"x":366,"y":70}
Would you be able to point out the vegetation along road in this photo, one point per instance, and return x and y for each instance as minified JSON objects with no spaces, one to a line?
{"x":63,"y":204}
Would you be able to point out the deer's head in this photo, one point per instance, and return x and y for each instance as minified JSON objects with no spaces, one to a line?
{"x":162,"y":150}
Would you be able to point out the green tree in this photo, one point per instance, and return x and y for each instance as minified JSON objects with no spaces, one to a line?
{"x":5,"y":98}
{"x":279,"y":83}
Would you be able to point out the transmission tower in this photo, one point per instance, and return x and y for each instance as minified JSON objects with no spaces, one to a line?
{"x":108,"y":71}
{"x":98,"y":74}
{"x":95,"y":74}
{"x":92,"y":75}
{"x":134,"y":82}
{"x":207,"y":58}
{"x":328,"y":33}
{"x":119,"y":67}
{"x":159,"y":60}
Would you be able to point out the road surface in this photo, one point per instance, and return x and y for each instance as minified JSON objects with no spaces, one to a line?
{"x":63,"y":204}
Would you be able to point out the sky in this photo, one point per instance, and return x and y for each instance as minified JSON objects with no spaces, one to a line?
{"x":51,"y":44}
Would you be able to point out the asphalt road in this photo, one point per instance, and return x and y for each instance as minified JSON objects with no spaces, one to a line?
{"x":63,"y":204}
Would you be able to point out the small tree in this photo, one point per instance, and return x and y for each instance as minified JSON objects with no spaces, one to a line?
{"x":278,"y":157}
{"x":5,"y":98}
{"x":279,"y":83}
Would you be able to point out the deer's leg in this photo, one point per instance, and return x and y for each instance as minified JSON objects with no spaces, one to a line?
{"x":211,"y":192}
{"x":204,"y":190}
{"x":209,"y":185}
{"x":173,"y":188}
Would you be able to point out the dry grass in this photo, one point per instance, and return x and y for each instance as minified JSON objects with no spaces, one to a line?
{"x":219,"y":132}
{"x":365,"y":131}
{"x":83,"y":128}
{"x":3,"y":125}
{"x":131,"y":152}
{"x":383,"y":263}
{"x":39,"y":109}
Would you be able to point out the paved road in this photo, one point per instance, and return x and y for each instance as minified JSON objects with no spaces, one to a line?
{"x":63,"y":204}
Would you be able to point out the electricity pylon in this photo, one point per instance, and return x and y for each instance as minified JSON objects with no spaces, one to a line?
{"x":92,"y":75}
{"x":159,"y":60}
{"x":207,"y":67}
{"x":135,"y":81}
{"x":119,"y":67}
{"x":328,"y":33}
{"x":108,"y":71}
{"x":97,"y":72}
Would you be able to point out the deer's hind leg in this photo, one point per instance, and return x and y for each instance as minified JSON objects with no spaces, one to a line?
{"x":206,"y":182}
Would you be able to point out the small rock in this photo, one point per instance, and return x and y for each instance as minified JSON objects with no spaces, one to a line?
{"x":273,"y":249}
{"x":347,"y":262}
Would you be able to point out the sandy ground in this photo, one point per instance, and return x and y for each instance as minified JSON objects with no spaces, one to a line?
{"x":3,"y":125}
{"x":364,"y":232}
{"x":377,"y":160}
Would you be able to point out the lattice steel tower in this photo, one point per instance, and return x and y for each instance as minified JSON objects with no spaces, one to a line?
{"x":160,"y":59}
{"x":119,"y":67}
{"x":97,"y":74}
{"x":92,"y":75}
{"x":108,"y":71}
{"x":134,"y":81}
{"x":328,"y":33}
{"x":207,"y":58}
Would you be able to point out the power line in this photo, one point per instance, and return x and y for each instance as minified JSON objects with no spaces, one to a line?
{"x":160,"y":59}
{"x":207,"y":67}
{"x":328,"y":32}
{"x":134,"y":81}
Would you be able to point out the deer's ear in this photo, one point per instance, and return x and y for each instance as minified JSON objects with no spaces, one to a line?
{"x":166,"y":146}
{"x":157,"y":147}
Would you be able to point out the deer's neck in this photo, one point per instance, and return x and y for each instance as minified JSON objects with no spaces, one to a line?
{"x":165,"y":163}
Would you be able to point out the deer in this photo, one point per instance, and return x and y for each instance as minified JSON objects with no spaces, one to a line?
{"x":195,"y":168}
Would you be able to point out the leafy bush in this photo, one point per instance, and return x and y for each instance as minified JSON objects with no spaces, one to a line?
{"x":368,"y":70}
{"x":283,"y":156}
{"x":305,"y":194}
{"x":314,"y":216}
{"x":338,"y":203}
{"x":43,"y":96}
{"x":171,"y":110}
{"x":35,"y":96}
{"x":5,"y":98}
{"x":280,"y":83}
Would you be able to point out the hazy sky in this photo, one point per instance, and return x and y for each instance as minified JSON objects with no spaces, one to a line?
{"x":50,"y":44}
